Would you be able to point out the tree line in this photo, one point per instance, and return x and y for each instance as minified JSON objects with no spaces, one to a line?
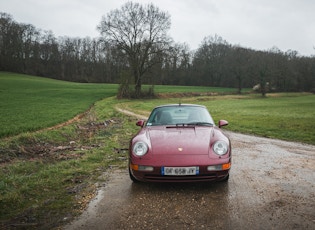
{"x":147,"y":55}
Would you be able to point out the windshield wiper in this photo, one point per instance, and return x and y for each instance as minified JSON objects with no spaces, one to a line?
{"x":195,"y":124}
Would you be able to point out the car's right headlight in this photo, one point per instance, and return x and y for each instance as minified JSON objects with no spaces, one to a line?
{"x":140,"y":148}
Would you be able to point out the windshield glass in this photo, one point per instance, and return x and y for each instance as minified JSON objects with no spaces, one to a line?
{"x":180,"y":115}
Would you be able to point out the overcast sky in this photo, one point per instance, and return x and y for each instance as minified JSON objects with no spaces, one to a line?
{"x":256,"y":24}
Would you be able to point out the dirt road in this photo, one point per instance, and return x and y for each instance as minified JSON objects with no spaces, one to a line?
{"x":271,"y":186}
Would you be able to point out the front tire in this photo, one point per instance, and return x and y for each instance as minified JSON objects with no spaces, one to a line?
{"x":134,"y":180}
{"x":225,"y":179}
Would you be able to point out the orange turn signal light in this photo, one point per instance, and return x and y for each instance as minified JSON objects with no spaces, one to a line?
{"x":143,"y":168}
{"x":226,"y":166}
{"x":134,"y":167}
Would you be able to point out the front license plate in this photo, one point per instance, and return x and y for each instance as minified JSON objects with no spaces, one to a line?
{"x":180,"y":171}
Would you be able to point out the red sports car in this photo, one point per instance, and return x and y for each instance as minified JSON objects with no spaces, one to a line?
{"x":180,"y":143}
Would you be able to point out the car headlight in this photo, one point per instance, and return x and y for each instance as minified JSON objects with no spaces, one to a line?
{"x":220,"y":147}
{"x":140,"y":149}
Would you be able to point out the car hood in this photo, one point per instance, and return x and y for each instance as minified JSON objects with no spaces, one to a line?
{"x":180,"y":140}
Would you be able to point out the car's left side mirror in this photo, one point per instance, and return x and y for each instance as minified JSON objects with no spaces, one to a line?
{"x":140,"y":123}
{"x":223,"y":123}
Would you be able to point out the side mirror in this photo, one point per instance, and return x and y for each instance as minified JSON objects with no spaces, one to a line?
{"x":140,"y":123}
{"x":223,"y":123}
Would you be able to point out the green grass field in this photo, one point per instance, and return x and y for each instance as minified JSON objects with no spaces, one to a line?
{"x":30,"y":103}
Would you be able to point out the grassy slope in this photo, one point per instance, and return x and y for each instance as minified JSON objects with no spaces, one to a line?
{"x":30,"y":103}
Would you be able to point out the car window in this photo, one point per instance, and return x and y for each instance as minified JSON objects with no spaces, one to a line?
{"x":173,"y":115}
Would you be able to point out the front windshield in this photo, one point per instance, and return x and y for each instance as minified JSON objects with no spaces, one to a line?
{"x":180,"y":115}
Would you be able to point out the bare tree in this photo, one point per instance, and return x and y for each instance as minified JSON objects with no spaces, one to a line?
{"x":239,"y":65}
{"x":210,"y":60}
{"x":141,"y":33}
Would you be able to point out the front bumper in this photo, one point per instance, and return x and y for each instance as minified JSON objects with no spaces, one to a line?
{"x":156,"y":175}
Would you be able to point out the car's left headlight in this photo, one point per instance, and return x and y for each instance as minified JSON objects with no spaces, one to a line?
{"x":140,"y":148}
{"x":220,"y":147}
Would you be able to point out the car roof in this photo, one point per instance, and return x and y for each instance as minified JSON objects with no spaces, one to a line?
{"x":178,"y":105}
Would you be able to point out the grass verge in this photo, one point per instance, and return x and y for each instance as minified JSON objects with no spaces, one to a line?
{"x":49,"y":176}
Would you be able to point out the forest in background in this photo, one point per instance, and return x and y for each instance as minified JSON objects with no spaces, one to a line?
{"x":217,"y":63}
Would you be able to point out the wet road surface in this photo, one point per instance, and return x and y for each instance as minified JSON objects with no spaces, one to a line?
{"x":271,"y":186}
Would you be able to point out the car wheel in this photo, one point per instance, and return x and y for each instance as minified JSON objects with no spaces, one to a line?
{"x":225,"y":179}
{"x":132,"y":177}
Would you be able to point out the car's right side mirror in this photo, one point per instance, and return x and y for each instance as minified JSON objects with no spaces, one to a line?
{"x":223,"y":123}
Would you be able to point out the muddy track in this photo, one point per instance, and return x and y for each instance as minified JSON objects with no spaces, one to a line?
{"x":271,"y":186}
